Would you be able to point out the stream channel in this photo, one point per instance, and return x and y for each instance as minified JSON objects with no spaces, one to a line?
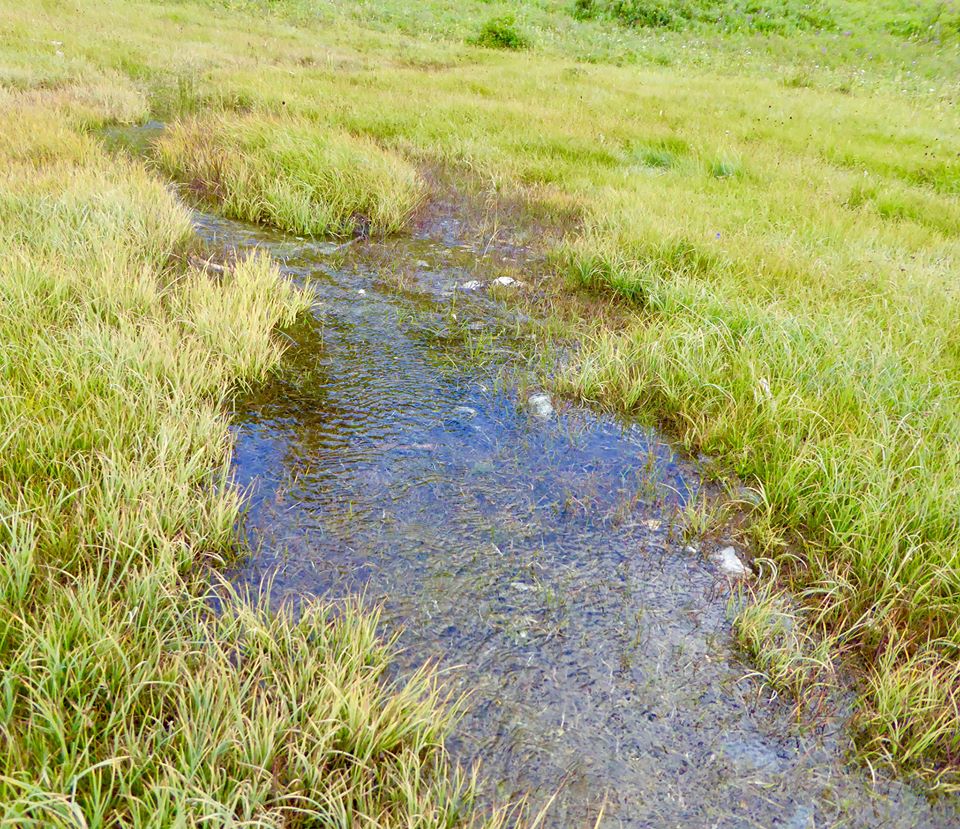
{"x":533,"y":557}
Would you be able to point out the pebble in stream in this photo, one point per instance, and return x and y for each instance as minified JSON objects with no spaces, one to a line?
{"x":532,"y":556}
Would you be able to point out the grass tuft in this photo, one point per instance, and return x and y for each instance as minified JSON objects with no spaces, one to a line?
{"x":789,"y":658}
{"x":665,"y":154}
{"x":501,"y":33}
{"x":292,"y":174}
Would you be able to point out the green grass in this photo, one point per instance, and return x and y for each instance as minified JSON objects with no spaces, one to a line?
{"x":291,"y":174}
{"x":775,"y":212}
{"x":910,"y":46}
{"x":789,"y":657}
{"x":124,"y":699}
{"x":501,"y":33}
{"x":767,"y":16}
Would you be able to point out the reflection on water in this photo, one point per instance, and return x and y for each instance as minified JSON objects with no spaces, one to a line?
{"x":534,"y":558}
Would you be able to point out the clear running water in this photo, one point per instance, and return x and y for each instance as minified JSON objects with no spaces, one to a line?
{"x":535,"y":559}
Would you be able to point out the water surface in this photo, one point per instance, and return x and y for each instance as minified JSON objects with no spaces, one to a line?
{"x":535,"y":559}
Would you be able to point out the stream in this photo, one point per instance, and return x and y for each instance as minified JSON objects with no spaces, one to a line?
{"x":533,"y":556}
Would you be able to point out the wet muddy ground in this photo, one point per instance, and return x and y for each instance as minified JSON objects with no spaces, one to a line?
{"x":535,"y":558}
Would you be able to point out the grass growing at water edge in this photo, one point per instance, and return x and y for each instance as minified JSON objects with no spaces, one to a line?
{"x":773,"y":214}
{"x":124,"y":699}
{"x":291,"y":174}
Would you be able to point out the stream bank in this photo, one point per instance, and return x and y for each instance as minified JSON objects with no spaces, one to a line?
{"x":533,"y":555}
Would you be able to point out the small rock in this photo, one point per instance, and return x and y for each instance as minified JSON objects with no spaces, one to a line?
{"x":523,"y":588}
{"x":508,"y":282}
{"x":362,"y":292}
{"x":472,"y":285}
{"x":653,"y":524}
{"x":540,"y":405}
{"x":730,"y":563}
{"x":692,"y":550}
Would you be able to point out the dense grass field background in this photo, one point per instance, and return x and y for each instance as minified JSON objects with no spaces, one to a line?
{"x":771,"y":190}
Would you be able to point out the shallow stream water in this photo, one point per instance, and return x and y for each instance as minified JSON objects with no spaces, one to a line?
{"x":534,"y":558}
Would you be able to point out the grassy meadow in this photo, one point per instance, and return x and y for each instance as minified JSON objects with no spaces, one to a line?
{"x":124,"y":700}
{"x":769,"y":190}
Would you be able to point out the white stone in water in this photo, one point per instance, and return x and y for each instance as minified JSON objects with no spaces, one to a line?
{"x":362,"y":292}
{"x":540,"y":405}
{"x":730,"y":563}
{"x":472,"y":285}
{"x":508,"y":282}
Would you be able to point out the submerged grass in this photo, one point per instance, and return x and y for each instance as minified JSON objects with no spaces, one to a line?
{"x":775,"y":214}
{"x":125,"y":700}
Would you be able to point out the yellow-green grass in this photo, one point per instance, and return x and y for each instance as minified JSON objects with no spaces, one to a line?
{"x":125,"y":700}
{"x":810,"y":342}
{"x":780,"y":224}
{"x":292,"y":174}
{"x":908,"y":45}
{"x":788,"y":656}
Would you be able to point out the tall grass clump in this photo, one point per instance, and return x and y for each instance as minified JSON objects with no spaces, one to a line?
{"x":501,"y":33}
{"x":664,"y":154}
{"x":125,"y":700}
{"x":935,"y":21}
{"x":765,"y":16}
{"x":292,"y":174}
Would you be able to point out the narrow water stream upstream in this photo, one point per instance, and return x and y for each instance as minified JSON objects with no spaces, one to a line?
{"x":532,"y":557}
